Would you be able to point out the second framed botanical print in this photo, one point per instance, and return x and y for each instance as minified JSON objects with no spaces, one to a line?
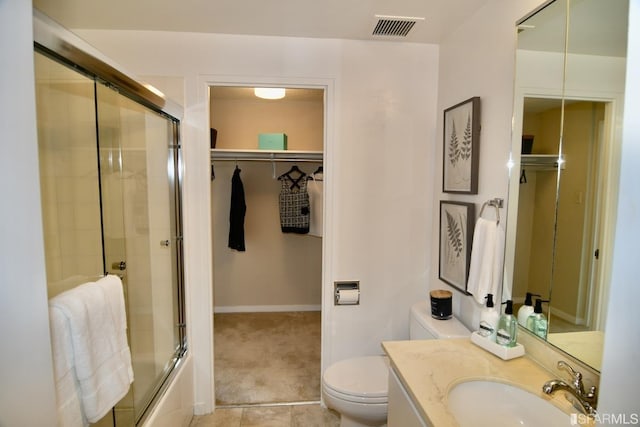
{"x":461,"y":147}
{"x":456,"y":237}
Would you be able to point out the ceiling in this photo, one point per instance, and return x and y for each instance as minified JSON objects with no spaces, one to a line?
{"x":342,"y":19}
{"x":600,"y":25}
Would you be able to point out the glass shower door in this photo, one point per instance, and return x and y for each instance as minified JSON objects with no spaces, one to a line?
{"x":139,"y":234}
{"x":111,"y":204}
{"x":69,"y":175}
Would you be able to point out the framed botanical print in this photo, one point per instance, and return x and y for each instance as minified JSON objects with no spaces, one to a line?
{"x":456,"y":237}
{"x":461,"y":157}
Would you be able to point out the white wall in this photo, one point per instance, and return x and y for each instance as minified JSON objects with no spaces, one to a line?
{"x":27,"y":394}
{"x":379,"y":169}
{"x":478,"y":59}
{"x":620,"y":377}
{"x":487,"y":40}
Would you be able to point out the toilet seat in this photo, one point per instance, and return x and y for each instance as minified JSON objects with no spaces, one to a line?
{"x":359,"y":380}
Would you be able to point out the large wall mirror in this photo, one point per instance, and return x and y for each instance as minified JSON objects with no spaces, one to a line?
{"x":569,"y":88}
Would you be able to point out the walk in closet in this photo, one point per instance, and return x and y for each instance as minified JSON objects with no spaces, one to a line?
{"x":267,"y":276}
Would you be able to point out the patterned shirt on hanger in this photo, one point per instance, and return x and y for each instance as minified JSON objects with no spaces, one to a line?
{"x":294,"y":204}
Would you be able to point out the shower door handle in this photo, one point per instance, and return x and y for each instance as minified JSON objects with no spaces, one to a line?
{"x":119,"y":265}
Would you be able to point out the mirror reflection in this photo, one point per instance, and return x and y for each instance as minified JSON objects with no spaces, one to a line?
{"x":562,"y":194}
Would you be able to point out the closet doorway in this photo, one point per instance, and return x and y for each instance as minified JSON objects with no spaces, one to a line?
{"x":267,"y":282}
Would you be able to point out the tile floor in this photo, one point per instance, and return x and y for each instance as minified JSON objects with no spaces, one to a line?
{"x":312,"y":415}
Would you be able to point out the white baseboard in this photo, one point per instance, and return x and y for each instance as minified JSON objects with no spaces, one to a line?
{"x":568,"y":317}
{"x":264,"y":308}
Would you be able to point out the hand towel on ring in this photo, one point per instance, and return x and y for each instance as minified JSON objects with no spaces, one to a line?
{"x":485,"y":271}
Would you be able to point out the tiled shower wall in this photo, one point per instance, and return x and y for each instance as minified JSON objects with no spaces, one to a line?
{"x":68,"y":176}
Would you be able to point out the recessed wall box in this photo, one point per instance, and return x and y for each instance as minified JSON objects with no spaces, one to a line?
{"x":347,"y":293}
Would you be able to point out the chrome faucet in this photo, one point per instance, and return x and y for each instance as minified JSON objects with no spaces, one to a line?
{"x":587,"y":401}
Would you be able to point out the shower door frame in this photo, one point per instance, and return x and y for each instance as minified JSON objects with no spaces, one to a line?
{"x":57,"y":43}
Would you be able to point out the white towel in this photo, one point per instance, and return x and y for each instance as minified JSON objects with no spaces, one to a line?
{"x":97,"y":321}
{"x":487,"y":251}
{"x":112,"y":286}
{"x":67,"y":387}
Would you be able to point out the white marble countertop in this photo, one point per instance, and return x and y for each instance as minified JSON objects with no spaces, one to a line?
{"x":428,"y":369}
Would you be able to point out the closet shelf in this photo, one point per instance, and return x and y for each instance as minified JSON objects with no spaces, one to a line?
{"x":266,"y":155}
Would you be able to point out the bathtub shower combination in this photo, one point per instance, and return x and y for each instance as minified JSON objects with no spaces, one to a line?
{"x":110,"y":184}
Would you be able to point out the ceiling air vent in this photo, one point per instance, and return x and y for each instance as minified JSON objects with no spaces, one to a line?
{"x":395,"y":26}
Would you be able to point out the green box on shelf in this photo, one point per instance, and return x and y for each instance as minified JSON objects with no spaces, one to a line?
{"x":272,"y":141}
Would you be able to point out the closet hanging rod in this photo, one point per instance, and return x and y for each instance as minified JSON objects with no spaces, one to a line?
{"x":267,"y":156}
{"x":543,"y":162}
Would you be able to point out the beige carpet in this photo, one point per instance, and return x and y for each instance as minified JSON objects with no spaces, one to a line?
{"x":266,"y":357}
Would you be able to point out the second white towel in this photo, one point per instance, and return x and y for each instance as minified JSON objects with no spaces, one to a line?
{"x":487,"y":251}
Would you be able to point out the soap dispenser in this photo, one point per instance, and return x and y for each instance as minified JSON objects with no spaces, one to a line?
{"x":489,"y":320}
{"x":537,"y":323}
{"x":526,"y":310}
{"x":506,"y":334}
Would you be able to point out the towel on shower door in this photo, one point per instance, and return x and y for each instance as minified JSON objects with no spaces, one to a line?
{"x":112,"y":286}
{"x":487,"y":251}
{"x":67,"y":389}
{"x":96,"y":319}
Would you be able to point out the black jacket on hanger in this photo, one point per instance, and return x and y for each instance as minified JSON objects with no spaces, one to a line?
{"x":237,"y":213}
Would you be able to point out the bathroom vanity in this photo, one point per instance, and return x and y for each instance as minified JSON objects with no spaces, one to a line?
{"x":424,"y":372}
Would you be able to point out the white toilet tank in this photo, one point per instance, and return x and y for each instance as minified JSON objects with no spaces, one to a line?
{"x":424,"y":327}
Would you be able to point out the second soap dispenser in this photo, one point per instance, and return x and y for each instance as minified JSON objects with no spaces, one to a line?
{"x":537,"y":323}
{"x":507,"y":332}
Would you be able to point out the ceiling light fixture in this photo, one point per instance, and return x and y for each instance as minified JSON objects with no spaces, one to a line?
{"x":269,"y":92}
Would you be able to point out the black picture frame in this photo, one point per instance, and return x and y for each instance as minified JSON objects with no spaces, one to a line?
{"x":456,"y":237}
{"x":461,"y":147}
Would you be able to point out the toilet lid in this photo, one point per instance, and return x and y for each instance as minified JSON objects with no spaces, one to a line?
{"x":361,"y":376}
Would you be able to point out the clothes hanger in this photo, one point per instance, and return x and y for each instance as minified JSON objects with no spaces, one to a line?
{"x":293,"y":169}
{"x":317,"y":171}
{"x":295,"y":182}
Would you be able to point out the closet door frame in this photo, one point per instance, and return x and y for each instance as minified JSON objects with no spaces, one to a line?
{"x":202,"y":319}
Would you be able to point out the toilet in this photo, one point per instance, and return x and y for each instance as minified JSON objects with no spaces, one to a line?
{"x":357,"y":388}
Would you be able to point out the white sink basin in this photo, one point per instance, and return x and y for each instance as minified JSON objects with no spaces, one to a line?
{"x":489,"y":403}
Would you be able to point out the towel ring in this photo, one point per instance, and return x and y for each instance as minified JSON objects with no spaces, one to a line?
{"x":497,"y":204}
